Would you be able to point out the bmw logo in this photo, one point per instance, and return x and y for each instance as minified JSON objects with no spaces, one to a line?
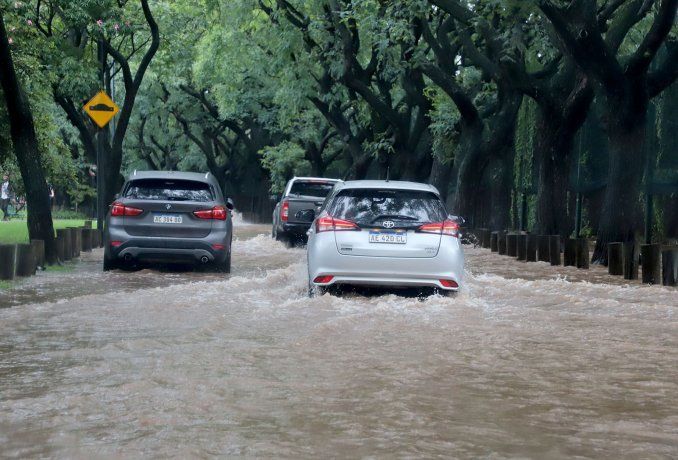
{"x":168,"y":206}
{"x":388,"y":224}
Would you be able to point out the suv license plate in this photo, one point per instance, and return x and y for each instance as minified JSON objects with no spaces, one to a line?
{"x":167,"y":219}
{"x":388,"y":237}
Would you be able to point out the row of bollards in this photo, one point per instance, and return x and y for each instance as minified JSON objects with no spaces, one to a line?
{"x":22,"y":260}
{"x":532,"y":248}
{"x":659,"y":266}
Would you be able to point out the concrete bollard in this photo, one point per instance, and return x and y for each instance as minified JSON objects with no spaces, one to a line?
{"x":95,"y":238}
{"x":521,"y":250}
{"x":7,"y":262}
{"x":86,"y":239}
{"x":60,"y":246}
{"x":511,"y":244}
{"x":615,"y":265}
{"x":65,"y":235}
{"x":651,"y":259}
{"x":630,"y":258}
{"x":582,"y":258}
{"x":485,"y":238}
{"x":543,"y":254}
{"x":554,"y":249}
{"x":531,"y":248}
{"x":494,"y":247}
{"x":76,"y":241}
{"x":570,"y":253}
{"x":501,"y":243}
{"x":39,"y":251}
{"x":670,"y":267}
{"x":25,"y":260}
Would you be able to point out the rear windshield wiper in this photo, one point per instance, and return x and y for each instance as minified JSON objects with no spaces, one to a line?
{"x":394,"y":216}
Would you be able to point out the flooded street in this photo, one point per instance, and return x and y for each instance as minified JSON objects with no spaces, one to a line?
{"x":522,"y":363}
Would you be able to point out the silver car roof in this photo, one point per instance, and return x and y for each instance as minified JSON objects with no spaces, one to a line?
{"x":387,"y":185}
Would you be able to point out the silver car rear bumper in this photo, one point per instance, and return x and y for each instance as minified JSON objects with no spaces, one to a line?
{"x":325,"y":260}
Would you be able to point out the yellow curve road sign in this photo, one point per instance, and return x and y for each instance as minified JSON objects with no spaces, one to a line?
{"x":101,"y":109}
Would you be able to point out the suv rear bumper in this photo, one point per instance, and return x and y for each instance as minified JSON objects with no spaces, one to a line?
{"x":169,"y":250}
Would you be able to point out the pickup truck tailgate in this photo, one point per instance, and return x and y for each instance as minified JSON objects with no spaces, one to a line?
{"x":301,"y":204}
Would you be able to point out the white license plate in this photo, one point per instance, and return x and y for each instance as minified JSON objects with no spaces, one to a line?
{"x":167,"y":219}
{"x":388,"y":237}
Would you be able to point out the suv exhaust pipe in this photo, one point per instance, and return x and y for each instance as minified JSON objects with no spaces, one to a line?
{"x":128,"y":257}
{"x":204,"y":259}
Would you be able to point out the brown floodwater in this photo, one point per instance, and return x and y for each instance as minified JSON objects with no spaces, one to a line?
{"x":528,"y":361}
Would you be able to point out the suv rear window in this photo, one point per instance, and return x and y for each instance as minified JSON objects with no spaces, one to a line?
{"x":311,"y":188}
{"x":169,"y":190}
{"x":370,"y":206}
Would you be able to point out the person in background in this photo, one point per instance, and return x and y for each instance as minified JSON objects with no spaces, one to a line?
{"x":4,"y":197}
{"x":51,"y":196}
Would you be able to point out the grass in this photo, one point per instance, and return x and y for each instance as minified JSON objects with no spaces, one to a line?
{"x":16,"y":231}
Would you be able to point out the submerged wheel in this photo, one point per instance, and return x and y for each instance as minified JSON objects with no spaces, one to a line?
{"x":225,"y":266}
{"x":316,"y":291}
{"x":110,"y":264}
{"x":284,"y":238}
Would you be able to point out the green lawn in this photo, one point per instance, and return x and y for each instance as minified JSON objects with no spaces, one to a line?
{"x":16,"y":231}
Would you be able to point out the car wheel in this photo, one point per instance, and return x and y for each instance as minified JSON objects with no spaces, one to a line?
{"x":316,"y":291}
{"x":109,"y":263}
{"x":225,"y":266}
{"x":283,"y":238}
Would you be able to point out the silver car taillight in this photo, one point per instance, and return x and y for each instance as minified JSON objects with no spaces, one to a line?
{"x":331,"y":224}
{"x":446,"y":227}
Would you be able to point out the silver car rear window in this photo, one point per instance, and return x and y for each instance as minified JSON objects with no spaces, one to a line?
{"x":367,"y":206}
{"x":168,"y":190}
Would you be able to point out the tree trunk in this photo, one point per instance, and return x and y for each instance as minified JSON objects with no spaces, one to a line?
{"x":24,"y":140}
{"x":620,"y":217}
{"x":501,"y":182}
{"x":441,"y":174}
{"x":468,"y":170}
{"x":551,"y":153}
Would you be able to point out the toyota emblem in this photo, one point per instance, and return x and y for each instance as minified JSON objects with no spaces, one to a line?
{"x":168,"y":206}
{"x":388,"y":224}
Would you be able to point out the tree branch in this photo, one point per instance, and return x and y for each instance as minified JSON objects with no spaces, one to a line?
{"x":661,"y":27}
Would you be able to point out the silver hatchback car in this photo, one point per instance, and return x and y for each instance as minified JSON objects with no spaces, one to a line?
{"x":384,"y":233}
{"x":173,"y":217}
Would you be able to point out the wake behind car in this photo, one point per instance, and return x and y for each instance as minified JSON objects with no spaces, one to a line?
{"x":301,"y":194}
{"x":384,"y":233}
{"x":174,"y":217}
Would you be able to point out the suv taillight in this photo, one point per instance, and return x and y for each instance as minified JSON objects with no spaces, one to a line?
{"x":216,"y":213}
{"x":120,"y":210}
{"x":330,"y":224}
{"x":447,"y":227}
{"x":285,"y":211}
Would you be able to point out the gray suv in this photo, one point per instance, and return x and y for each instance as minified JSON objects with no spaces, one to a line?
{"x":174,"y":217}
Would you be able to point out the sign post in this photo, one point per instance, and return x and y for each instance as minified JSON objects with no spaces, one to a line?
{"x":101,"y":109}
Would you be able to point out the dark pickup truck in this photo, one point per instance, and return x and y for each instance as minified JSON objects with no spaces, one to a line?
{"x":301,"y":194}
